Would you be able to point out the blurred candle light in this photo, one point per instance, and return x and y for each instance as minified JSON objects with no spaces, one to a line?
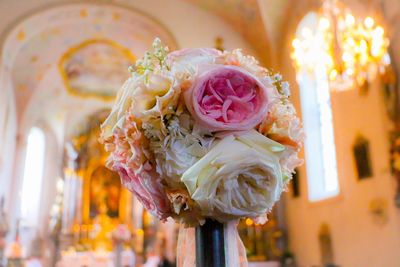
{"x":249,"y":222}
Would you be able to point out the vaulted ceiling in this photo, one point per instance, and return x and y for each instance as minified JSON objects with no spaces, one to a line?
{"x":245,"y":17}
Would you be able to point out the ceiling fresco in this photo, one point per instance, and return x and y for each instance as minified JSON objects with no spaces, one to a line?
{"x":95,"y":68}
{"x":86,"y":42}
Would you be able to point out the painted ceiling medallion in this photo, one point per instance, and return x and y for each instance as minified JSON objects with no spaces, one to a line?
{"x":95,"y":68}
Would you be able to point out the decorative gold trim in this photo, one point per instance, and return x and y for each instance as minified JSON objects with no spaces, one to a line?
{"x":71,"y":51}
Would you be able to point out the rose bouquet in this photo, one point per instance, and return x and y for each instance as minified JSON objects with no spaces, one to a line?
{"x":201,"y":134}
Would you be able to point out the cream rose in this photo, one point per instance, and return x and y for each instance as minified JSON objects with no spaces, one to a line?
{"x":148,"y":96}
{"x":239,"y":177}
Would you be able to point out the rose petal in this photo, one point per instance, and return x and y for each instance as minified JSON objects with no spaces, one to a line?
{"x":227,"y":98}
{"x":225,"y":107}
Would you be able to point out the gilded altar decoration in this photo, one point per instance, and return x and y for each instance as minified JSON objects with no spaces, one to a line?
{"x":350,"y":50}
{"x":202,"y":134}
{"x":263,"y":242}
{"x":219,"y":43}
{"x":395,"y":164}
{"x":4,"y":228}
{"x":102,"y":204}
{"x":105,"y":188}
{"x":326,"y":246}
{"x":95,"y":68}
{"x":14,"y":250}
{"x":378,"y":208}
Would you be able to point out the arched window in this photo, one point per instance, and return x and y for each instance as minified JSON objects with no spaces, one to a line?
{"x":33,"y":177}
{"x":320,"y":151}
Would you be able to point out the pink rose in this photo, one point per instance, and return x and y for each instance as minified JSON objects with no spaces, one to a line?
{"x":147,"y":187}
{"x":129,"y":157}
{"x":227,"y":98}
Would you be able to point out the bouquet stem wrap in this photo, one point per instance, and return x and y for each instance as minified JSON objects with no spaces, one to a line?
{"x":204,"y":241}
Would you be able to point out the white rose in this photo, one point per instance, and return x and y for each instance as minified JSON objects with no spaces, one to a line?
{"x":239,"y":177}
{"x":180,"y":149}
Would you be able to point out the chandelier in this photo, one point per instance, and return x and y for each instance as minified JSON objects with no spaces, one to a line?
{"x":350,"y":51}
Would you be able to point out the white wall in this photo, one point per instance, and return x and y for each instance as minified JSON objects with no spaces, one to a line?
{"x":358,"y":239}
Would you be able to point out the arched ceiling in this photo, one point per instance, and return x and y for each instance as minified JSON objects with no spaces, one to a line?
{"x":49,"y":59}
{"x":244,"y":16}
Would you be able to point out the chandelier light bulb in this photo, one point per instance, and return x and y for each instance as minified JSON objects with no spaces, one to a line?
{"x":350,"y":20}
{"x":346,"y":46}
{"x":369,"y":22}
{"x":324,"y":23}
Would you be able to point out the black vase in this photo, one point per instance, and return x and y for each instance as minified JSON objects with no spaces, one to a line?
{"x":210,"y":249}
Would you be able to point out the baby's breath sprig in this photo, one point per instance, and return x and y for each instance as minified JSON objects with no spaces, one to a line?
{"x":152,"y":60}
{"x":160,"y":53}
{"x":280,"y":85}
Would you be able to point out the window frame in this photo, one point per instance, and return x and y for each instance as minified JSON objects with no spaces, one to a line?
{"x":317,"y":114}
